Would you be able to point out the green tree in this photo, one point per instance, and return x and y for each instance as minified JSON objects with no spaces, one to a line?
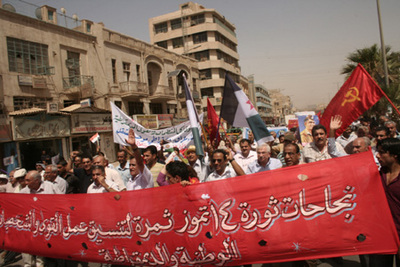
{"x":371,"y":59}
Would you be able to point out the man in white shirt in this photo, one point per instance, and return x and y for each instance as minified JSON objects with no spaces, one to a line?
{"x":141,"y":176}
{"x":51,"y":175}
{"x":100,"y":183}
{"x":123,"y":167}
{"x":246,"y":156}
{"x":35,"y":185}
{"x":199,"y":166}
{"x":111,"y":174}
{"x":323,"y":148}
{"x":264,"y":161}
{"x":219,"y":161}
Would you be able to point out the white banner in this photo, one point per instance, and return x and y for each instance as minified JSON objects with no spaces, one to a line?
{"x":180,"y":135}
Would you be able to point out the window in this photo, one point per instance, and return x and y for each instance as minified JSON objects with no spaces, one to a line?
{"x":135,"y":108}
{"x":127,"y":70}
{"x":227,"y":58}
{"x":221,"y":73}
{"x":114,"y":70}
{"x":205,"y":74}
{"x":150,"y":78}
{"x":50,"y":15}
{"x":202,"y":56}
{"x":161,"y":27}
{"x":73,"y":65}
{"x":223,"y":40}
{"x":200,"y":37}
{"x":163,"y":44}
{"x":156,"y":108}
{"x":118,"y":104}
{"x":88,"y":27}
{"x":194,"y":84}
{"x":26,"y":57}
{"x":176,"y":24}
{"x":177,"y":42}
{"x":197,"y":19}
{"x":30,"y":102}
{"x":138,"y":73}
{"x":207,"y":92}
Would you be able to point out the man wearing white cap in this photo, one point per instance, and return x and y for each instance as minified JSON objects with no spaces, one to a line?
{"x":19,"y":175}
{"x":5,"y":186}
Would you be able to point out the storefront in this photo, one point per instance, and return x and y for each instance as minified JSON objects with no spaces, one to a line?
{"x":8,"y":148}
{"x":87,"y":121}
{"x":36,"y":132}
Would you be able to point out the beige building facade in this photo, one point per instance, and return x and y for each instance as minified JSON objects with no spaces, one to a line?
{"x":281,"y":106}
{"x":205,"y":35}
{"x":57,"y":82}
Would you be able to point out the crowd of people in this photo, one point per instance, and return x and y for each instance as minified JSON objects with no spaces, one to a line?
{"x":140,"y":168}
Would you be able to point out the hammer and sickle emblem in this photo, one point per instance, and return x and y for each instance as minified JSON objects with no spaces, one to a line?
{"x":351,"y":96}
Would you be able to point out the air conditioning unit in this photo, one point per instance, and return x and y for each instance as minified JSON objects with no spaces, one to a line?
{"x":52,"y":107}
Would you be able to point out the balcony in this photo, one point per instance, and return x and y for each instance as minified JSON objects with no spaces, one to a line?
{"x":163,"y":92}
{"x":79,"y":85}
{"x":133,"y":89}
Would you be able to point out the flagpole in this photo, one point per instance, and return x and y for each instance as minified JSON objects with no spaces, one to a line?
{"x":197,"y":115}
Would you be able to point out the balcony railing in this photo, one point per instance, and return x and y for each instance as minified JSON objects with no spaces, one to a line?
{"x":78,"y":81}
{"x":163,"y":90}
{"x":133,"y":87}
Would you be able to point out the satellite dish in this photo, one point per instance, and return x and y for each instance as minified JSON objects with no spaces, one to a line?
{"x":9,"y":7}
{"x":38,"y":13}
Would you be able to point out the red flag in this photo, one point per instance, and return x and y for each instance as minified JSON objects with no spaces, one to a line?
{"x":212,"y":121}
{"x":356,"y":96}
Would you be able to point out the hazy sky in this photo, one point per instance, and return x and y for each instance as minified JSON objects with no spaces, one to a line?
{"x":298,"y":46}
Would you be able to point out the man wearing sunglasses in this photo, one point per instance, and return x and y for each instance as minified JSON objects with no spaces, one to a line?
{"x":219,"y":162}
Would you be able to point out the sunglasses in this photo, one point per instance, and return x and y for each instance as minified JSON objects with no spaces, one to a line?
{"x":216,"y":160}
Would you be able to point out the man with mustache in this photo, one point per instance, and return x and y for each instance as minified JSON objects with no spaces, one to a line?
{"x":322,"y":147}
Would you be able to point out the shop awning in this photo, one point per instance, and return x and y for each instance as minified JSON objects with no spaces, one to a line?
{"x":77,"y":108}
{"x":27,"y":111}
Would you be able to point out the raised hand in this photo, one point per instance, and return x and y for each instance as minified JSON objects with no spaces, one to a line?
{"x":336,"y":122}
{"x":131,"y":138}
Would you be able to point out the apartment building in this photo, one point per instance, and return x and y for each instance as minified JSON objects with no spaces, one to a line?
{"x":59,"y":74}
{"x":264,"y":107}
{"x":205,"y":35}
{"x":281,"y":106}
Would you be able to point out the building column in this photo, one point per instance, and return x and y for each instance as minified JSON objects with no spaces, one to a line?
{"x":146,"y":106}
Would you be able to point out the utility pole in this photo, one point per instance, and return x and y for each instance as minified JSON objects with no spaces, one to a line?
{"x":383,"y":48}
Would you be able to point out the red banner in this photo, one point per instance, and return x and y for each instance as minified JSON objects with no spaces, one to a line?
{"x":324,"y":209}
{"x":357,"y":95}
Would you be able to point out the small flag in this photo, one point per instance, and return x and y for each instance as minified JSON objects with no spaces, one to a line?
{"x":95,"y":138}
{"x":238,"y":111}
{"x":357,"y":95}
{"x":193,"y":119}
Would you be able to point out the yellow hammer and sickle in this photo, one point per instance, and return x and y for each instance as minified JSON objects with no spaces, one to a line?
{"x":351,"y":96}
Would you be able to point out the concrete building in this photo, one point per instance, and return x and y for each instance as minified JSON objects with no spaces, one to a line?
{"x":264,"y":104}
{"x":205,"y":35}
{"x":49,"y":69}
{"x":281,"y":106}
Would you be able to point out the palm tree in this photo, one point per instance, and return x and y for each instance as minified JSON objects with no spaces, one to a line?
{"x":371,"y":59}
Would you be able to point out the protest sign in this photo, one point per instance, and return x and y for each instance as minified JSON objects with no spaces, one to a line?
{"x":180,"y":135}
